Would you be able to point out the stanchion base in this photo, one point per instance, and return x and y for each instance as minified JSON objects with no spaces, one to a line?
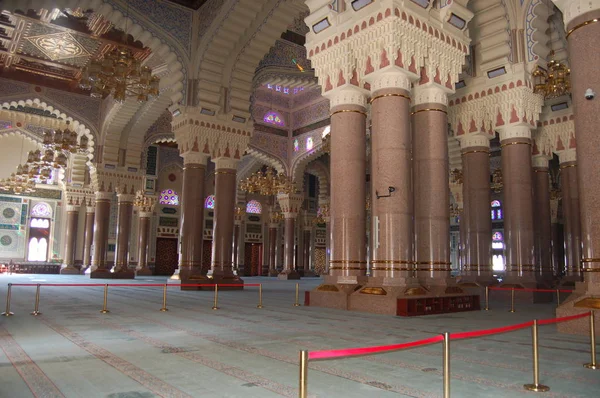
{"x":591,"y":366}
{"x":215,"y":308}
{"x":36,"y":313}
{"x":8,"y":313}
{"x":512,"y":311}
{"x":297,"y":305}
{"x":164,"y":310}
{"x":104,"y":311}
{"x":259,"y":306}
{"x":536,"y":387}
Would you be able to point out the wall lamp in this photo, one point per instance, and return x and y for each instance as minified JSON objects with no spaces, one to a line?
{"x":390,"y":190}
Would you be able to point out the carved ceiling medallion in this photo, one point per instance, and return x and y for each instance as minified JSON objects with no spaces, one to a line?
{"x":59,"y":46}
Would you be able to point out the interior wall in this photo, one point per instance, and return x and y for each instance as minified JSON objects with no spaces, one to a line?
{"x":13,"y":150}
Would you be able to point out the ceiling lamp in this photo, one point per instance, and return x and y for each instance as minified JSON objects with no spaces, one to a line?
{"x":121,"y":74}
{"x":497,"y":183}
{"x":554,"y":81}
{"x":267,"y":183}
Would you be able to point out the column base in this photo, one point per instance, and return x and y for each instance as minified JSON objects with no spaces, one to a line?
{"x":308,"y":274}
{"x":585,"y":298}
{"x":85,"y":269}
{"x":124,"y":274}
{"x":99,"y":273}
{"x":273,"y":272}
{"x":225,"y":280}
{"x":569,"y":281}
{"x":144,"y":272}
{"x":69,"y":270}
{"x":288,"y":275}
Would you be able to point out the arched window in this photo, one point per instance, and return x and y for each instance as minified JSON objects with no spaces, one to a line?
{"x":209,"y":203}
{"x":39,"y":223}
{"x":296,"y":145}
{"x":309,"y":143}
{"x":497,"y":237}
{"x":254,"y":207}
{"x":496,"y":203}
{"x":496,"y":210}
{"x":41,"y":209}
{"x":168,"y":197}
{"x":273,"y":118}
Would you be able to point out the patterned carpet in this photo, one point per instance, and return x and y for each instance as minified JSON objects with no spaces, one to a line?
{"x":72,"y":350}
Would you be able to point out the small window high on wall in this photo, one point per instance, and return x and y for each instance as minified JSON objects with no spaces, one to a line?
{"x":168,"y":197}
{"x":254,"y":207}
{"x":273,"y":118}
{"x":496,"y":210}
{"x":209,"y":203}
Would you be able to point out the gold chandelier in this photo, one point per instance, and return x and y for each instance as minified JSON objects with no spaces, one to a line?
{"x":144,"y":203}
{"x":322,"y":214}
{"x":497,"y":183}
{"x":456,"y":176}
{"x":554,"y":81}
{"x":121,"y":74}
{"x":267,"y":183}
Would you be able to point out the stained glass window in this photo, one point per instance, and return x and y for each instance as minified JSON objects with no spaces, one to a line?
{"x":296,"y":145}
{"x":168,"y":197}
{"x":273,"y":118}
{"x":497,"y":237}
{"x":39,"y":223}
{"x":499,"y":214}
{"x":209,"y":203}
{"x":309,"y":143}
{"x":41,"y":209}
{"x":493,"y":214}
{"x":496,"y":203}
{"x":254,"y":207}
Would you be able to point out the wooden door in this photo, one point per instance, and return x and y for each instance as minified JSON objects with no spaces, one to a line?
{"x":166,"y":256}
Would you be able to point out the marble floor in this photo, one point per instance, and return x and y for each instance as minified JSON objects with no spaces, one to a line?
{"x":72,"y":350}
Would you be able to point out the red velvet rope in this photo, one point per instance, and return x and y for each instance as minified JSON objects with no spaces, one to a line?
{"x":563,"y":319}
{"x":487,"y":332}
{"x":530,"y":289}
{"x":139,"y":284}
{"x":351,"y":352}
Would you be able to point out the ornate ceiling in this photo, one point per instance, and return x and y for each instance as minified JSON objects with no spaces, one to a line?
{"x":51,"y":51}
{"x":193,"y":4}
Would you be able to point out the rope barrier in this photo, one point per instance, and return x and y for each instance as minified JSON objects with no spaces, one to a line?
{"x":487,"y":332}
{"x":563,"y":319}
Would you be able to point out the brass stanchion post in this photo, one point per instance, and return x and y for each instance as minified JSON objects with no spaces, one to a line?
{"x":303,"y":391}
{"x":536,"y":386}
{"x":446,"y":344}
{"x":105,"y":310}
{"x":36,"y":307}
{"x":215,"y":307}
{"x":487,"y":298}
{"x":512,"y":300}
{"x":259,"y":296}
{"x":297,"y":303}
{"x":557,"y":297}
{"x":593,"y":364}
{"x":164,"y":307}
{"x":8,"y":294}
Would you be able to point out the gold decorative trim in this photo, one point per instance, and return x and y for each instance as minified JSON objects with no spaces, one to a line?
{"x":328,"y":288}
{"x":433,"y":263}
{"x":391,"y":262}
{"x":346,"y":262}
{"x":538,"y":170}
{"x":192,"y":166}
{"x":378,"y":291}
{"x":581,"y":25}
{"x":590,"y":269}
{"x":590,"y":260}
{"x":349,"y":110}
{"x":588,"y":302}
{"x":474,"y":151}
{"x":567,"y":166}
{"x":515,"y":143}
{"x":225,"y":172}
{"x":389,"y":95}
{"x":415,"y":291}
{"x":391,"y":268}
{"x":429,"y":110}
{"x":433,"y":269}
{"x":348,"y":268}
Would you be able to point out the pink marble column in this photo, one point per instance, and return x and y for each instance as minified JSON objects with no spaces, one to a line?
{"x":236,"y":239}
{"x":541,"y":218}
{"x":143,"y":234}
{"x":125,"y":213}
{"x":272,"y":248}
{"x":476,"y":210}
{"x":348,"y":168}
{"x":99,"y":268}
{"x":392,"y":235}
{"x":515,"y":143}
{"x":88,"y":238}
{"x":191,"y":231}
{"x":462,"y":232}
{"x":289,"y":270}
{"x":225,"y":187}
{"x":71,"y":239}
{"x":431,"y":188}
{"x":307,"y":251}
{"x":571,"y":217}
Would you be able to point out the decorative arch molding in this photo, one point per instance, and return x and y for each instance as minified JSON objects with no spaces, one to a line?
{"x":536,"y":28}
{"x":490,"y":28}
{"x":171,"y":167}
{"x":320,"y":170}
{"x":245,"y":33}
{"x":267,"y":158}
{"x":22,"y":119}
{"x":301,"y":162}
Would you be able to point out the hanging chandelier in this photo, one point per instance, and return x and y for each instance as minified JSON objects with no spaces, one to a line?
{"x":554,"y":81}
{"x":144,"y":203}
{"x":456,"y":176}
{"x":322,"y":214}
{"x":497,"y":183}
{"x":454,"y":210}
{"x":121,"y":74}
{"x":267,"y":183}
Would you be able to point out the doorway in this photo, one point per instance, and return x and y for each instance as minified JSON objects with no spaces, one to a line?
{"x":253,"y":259}
{"x":166,"y":256}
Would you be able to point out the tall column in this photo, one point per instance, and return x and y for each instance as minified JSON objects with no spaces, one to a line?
{"x":308,"y":244}
{"x":571,"y":216}
{"x":225,"y":186}
{"x":99,"y":268}
{"x":515,"y":143}
{"x":191,"y":231}
{"x":348,"y":168}
{"x":237,"y":241}
{"x":88,"y":237}
{"x":392,"y":259}
{"x":273,"y":249}
{"x":143,"y":234}
{"x":431,"y":191}
{"x":541,"y":216}
{"x":476,"y":220}
{"x":290,"y":206}
{"x":125,"y":213}
{"x":71,"y":238}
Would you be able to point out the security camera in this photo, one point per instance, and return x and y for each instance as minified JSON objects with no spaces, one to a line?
{"x":590,"y":94}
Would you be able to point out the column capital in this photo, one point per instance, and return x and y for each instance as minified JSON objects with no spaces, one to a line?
{"x":90,"y":209}
{"x":101,"y":195}
{"x":540,"y":161}
{"x":225,"y":163}
{"x":430,"y":94}
{"x":515,"y":131}
{"x":193,"y":157}
{"x":568,"y":155}
{"x":73,"y":208}
{"x":571,"y":9}
{"x":473,"y":140}
{"x":290,"y":203}
{"x":145,"y":214}
{"x":390,"y":78}
{"x":273,"y":225}
{"x":347,"y":95}
{"x":125,"y":198}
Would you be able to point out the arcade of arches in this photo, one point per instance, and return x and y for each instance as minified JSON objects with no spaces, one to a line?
{"x":420,"y":160}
